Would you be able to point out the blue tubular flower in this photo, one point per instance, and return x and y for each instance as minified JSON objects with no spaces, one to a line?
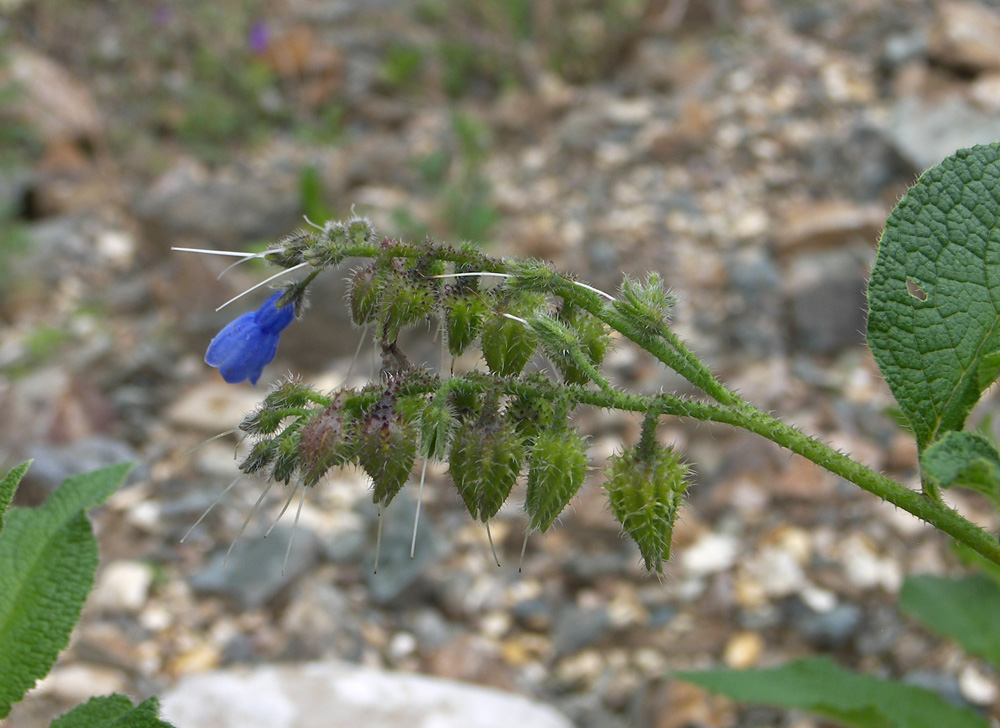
{"x":248,"y":344}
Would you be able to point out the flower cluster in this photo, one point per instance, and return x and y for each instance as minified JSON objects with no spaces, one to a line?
{"x":492,"y":426}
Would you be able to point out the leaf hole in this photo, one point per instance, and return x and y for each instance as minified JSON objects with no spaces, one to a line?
{"x":916,"y":291}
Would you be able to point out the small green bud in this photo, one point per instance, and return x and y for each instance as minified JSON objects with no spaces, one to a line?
{"x":557,"y":470}
{"x":529,"y":415}
{"x":648,"y":304}
{"x":261,"y":455}
{"x":463,"y":320}
{"x":290,"y":250}
{"x":363,"y":295}
{"x":387,"y":448}
{"x":406,"y":300}
{"x":325,"y":441}
{"x":484,"y":463}
{"x":286,"y":460}
{"x":507,"y":345}
{"x":530,"y":275}
{"x":645,"y":489}
{"x":592,"y":336}
{"x":359,"y":230}
{"x":436,"y":423}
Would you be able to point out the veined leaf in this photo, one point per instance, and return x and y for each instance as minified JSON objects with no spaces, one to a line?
{"x":965,"y":459}
{"x":848,"y":698}
{"x":48,"y":557}
{"x":112,"y":711}
{"x":934,"y":294}
{"x":967,"y":610}
{"x":8,"y":486}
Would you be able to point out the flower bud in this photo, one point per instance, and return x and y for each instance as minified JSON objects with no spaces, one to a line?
{"x":405,"y":301}
{"x":387,"y":448}
{"x":484,"y":463}
{"x":261,"y":456}
{"x":435,"y":428}
{"x":286,"y":460}
{"x":647,"y":304}
{"x":507,"y":345}
{"x":556,"y":472}
{"x":645,"y":487}
{"x":325,"y":441}
{"x":592,"y":337}
{"x":463,"y":319}
{"x":363,"y":295}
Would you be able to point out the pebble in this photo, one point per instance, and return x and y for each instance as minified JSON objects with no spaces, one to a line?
{"x":743,"y":650}
{"x":963,"y":36}
{"x":977,"y":687}
{"x":79,"y":682}
{"x":122,"y":586}
{"x":712,"y":553}
{"x":338,"y":695}
{"x":257,"y":569}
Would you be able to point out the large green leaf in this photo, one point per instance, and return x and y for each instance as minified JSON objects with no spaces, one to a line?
{"x":934,"y":294}
{"x":48,"y":557}
{"x":848,"y":698}
{"x":965,"y":609}
{"x":8,"y":486}
{"x":112,"y":711}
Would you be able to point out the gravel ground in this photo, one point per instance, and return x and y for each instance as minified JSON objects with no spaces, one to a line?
{"x":748,"y":151}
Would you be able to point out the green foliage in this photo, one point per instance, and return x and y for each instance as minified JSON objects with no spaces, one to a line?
{"x":401,"y":66}
{"x":965,"y":609}
{"x":48,"y":557}
{"x":112,"y":711}
{"x":933,"y":322}
{"x":8,"y":486}
{"x":965,"y":459}
{"x":850,"y":699}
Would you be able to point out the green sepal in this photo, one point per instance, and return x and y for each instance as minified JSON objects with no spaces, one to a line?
{"x":463,"y":320}
{"x":363,"y":295}
{"x":484,"y":463}
{"x":645,"y":490}
{"x":436,"y":423}
{"x":556,"y":471}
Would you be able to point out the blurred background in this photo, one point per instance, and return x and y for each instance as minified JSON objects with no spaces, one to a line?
{"x":747,"y":150}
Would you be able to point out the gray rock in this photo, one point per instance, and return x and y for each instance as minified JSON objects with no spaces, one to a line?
{"x":754,"y":323}
{"x":253,"y":573}
{"x":925,"y":132}
{"x":338,"y":695}
{"x":941,"y":683}
{"x":54,"y":463}
{"x":826,"y":302}
{"x":830,"y":629}
{"x":397,"y":572}
{"x":577,"y":628}
{"x":245,"y":202}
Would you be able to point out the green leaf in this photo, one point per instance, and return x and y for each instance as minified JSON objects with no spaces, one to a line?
{"x":966,"y":609}
{"x":112,"y":711}
{"x":965,"y":459}
{"x":934,"y":294}
{"x":48,"y":557}
{"x":8,"y":486}
{"x":849,"y":698}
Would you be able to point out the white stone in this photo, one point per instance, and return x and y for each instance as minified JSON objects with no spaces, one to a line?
{"x":339,"y":695}
{"x":711,"y":553}
{"x":122,"y":586}
{"x":977,"y":688}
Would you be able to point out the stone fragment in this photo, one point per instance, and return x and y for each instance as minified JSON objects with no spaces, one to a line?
{"x":964,"y":36}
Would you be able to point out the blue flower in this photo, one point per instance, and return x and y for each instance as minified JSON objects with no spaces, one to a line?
{"x":248,"y":344}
